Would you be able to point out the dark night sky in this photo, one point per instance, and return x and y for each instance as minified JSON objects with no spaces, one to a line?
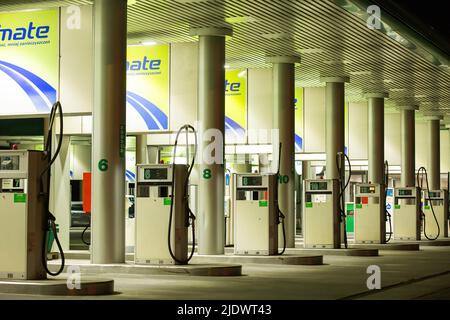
{"x":431,"y":18}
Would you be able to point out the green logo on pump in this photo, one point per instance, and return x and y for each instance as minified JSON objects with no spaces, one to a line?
{"x":308,"y":204}
{"x":20,"y":198}
{"x":397,"y":206}
{"x":263,"y":203}
{"x":167,"y":201}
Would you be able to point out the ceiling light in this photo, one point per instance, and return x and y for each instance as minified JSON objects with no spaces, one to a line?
{"x":279,"y":35}
{"x":307,"y":51}
{"x":242,"y":74}
{"x":361,"y":73}
{"x":334,"y":62}
{"x":397,"y":90}
{"x":235,"y":20}
{"x":227,"y":66}
{"x":149,"y":43}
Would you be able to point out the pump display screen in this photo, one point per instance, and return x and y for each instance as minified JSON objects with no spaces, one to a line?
{"x":251,"y":181}
{"x":405,"y":192}
{"x":319,"y":186}
{"x":10,"y":163}
{"x":367,"y":189}
{"x":155,"y":174}
{"x":434,"y":194}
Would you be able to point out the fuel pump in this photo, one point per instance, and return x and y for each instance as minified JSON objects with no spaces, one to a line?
{"x":321,"y":220}
{"x":407,"y":213}
{"x":24,"y":203}
{"x":434,"y":209}
{"x":324,"y":221}
{"x":436,"y":200}
{"x":257,"y":215}
{"x":256,"y":220}
{"x":163,"y":215}
{"x":370,"y":208}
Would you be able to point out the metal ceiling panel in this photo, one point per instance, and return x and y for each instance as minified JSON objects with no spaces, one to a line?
{"x":330,"y":35}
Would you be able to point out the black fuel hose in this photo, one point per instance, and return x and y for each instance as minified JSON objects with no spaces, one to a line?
{"x":342,"y":188}
{"x":420,"y":185}
{"x":280,"y":215}
{"x":388,"y":216}
{"x":45,"y":189}
{"x":190,"y":219}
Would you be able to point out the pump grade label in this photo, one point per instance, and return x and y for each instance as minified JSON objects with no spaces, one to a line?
{"x":20,"y":198}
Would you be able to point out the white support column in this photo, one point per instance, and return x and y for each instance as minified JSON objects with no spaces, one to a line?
{"x":376,"y":136}
{"x":335,"y":122}
{"x":408,"y":155}
{"x":434,"y":151}
{"x":211,"y":119}
{"x":109,"y":132}
{"x":284,"y":120}
{"x":141,"y":149}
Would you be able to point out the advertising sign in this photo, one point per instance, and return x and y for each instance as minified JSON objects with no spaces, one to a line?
{"x":147,"y":88}
{"x":29,"y":61}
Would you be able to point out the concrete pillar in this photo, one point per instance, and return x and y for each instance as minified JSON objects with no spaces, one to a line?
{"x":109,"y":132}
{"x":307,"y":170}
{"x":141,"y":149}
{"x":376,"y":136}
{"x":434,"y":152}
{"x":211,"y":119}
{"x":408,"y":155}
{"x":335,"y":122}
{"x":284,"y":120}
{"x":264,"y":165}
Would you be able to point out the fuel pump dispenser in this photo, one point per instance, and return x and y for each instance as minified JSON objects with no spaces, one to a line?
{"x":407,"y":213}
{"x":24,"y":209}
{"x":370,"y":208}
{"x":321,"y":220}
{"x":153,"y":202}
{"x":434,"y":211}
{"x":435,"y":200}
{"x":256,"y":217}
{"x":163,"y":215}
{"x":324,"y":221}
{"x":22,"y":232}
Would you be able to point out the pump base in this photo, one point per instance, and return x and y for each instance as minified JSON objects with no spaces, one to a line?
{"x":89,"y":286}
{"x":211,"y":270}
{"x":387,"y":246}
{"x":276,"y":259}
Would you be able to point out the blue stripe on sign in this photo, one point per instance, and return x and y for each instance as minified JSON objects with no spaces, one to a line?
{"x":298,"y":142}
{"x":234,"y":127}
{"x":43,"y":86}
{"x":127,"y":176}
{"x":160,"y":116}
{"x":151,"y":124}
{"x":131,"y":174}
{"x":34,"y":96}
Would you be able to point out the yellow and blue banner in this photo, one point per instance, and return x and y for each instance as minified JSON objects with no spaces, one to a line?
{"x":235,"y":105}
{"x":29,"y":61}
{"x":298,"y":103}
{"x":148,"y":88}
